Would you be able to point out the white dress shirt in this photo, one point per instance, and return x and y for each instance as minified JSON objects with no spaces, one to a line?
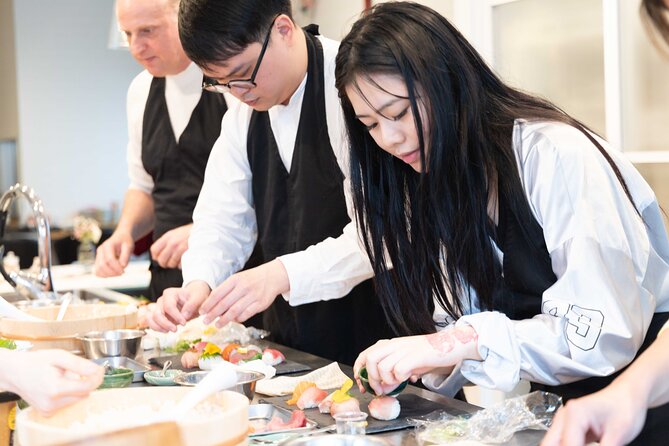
{"x":182,"y":94}
{"x":612,"y":268}
{"x":225,"y":231}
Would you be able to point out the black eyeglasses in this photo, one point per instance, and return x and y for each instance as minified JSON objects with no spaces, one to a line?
{"x":213,"y":85}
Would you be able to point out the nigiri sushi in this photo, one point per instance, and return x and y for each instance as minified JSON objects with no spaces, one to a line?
{"x":349,"y":405}
{"x":272,"y":357}
{"x":189,"y":359}
{"x":325,"y":405}
{"x":384,"y":408}
{"x":311,"y":398}
{"x":211,"y":355}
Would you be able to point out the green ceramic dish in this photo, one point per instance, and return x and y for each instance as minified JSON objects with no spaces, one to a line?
{"x":154,"y":377}
{"x":365,"y":383}
{"x":117,"y":377}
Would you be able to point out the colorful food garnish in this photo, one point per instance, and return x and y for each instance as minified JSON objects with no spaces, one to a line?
{"x":8,"y":344}
{"x":299,"y":389}
{"x":228,"y":349}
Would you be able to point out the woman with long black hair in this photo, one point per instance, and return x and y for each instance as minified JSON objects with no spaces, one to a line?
{"x":508,"y":241}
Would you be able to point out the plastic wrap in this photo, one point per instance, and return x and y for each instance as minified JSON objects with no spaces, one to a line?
{"x":494,"y":425}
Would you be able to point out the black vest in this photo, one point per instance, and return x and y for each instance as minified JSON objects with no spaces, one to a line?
{"x":300,"y":208}
{"x":527,"y":274}
{"x":177,"y":168}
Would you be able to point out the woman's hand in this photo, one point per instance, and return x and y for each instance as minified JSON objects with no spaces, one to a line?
{"x":390,"y":362}
{"x":613,"y":417}
{"x":49,"y":379}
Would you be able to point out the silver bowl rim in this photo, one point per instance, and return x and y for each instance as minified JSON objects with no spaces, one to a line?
{"x":182,"y":379}
{"x":126,"y":334}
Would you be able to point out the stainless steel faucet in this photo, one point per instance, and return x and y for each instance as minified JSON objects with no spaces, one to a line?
{"x":31,"y":286}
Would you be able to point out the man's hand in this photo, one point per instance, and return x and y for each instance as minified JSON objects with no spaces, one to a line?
{"x":113,"y":255}
{"x":169,"y":248}
{"x":246,"y":293}
{"x":168,"y":311}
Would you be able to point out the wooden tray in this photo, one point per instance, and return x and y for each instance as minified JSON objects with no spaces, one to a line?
{"x":79,"y":319}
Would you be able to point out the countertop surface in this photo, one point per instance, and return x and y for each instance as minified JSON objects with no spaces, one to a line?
{"x":76,"y":276}
{"x":393,"y":438}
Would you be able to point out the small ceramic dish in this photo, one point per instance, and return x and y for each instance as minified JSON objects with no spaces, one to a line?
{"x":365,"y":383}
{"x":117,"y":377}
{"x":157,"y":378}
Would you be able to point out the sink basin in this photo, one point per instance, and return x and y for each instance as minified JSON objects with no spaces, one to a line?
{"x":87,"y":295}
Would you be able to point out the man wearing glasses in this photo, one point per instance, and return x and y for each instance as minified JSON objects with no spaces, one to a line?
{"x":276,"y":177}
{"x":172,"y":126}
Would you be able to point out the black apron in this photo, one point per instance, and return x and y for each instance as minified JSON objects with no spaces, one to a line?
{"x":520,"y":298}
{"x":300,"y":208}
{"x":177,"y":168}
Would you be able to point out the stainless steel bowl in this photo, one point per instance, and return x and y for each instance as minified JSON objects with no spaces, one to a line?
{"x":246,"y":381}
{"x":336,"y":440}
{"x":101,"y":344}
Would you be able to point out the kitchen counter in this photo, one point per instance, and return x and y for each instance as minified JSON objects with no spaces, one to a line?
{"x":393,"y":438}
{"x":399,"y":437}
{"x":75,"y":277}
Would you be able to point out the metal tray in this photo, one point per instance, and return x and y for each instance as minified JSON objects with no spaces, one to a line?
{"x":122,"y":361}
{"x":261,"y":414}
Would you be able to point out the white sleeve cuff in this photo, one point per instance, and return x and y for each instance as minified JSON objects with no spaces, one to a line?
{"x":300,"y":291}
{"x":500,"y":367}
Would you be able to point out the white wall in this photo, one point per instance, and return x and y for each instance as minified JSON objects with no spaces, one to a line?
{"x":8,"y":121}
{"x":336,"y":17}
{"x":71,"y":104}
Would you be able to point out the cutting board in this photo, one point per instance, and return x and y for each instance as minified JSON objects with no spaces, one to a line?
{"x":284,"y":368}
{"x":411,"y":405}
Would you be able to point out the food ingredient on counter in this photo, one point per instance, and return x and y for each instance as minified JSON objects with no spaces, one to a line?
{"x":116,"y":418}
{"x":311,"y":398}
{"x":8,"y":344}
{"x":384,"y":408}
{"x":272,"y":357}
{"x":300,"y":387}
{"x":340,"y":400}
{"x":297,"y":419}
{"x":210,"y":357}
{"x":190,"y":359}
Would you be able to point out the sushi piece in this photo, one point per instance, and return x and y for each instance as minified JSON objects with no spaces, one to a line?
{"x":384,"y":408}
{"x":340,"y":400}
{"x":211,"y":356}
{"x":349,"y":405}
{"x":297,"y":391}
{"x":189,"y":359}
{"x":325,"y":405}
{"x":297,"y":419}
{"x":272,"y":357}
{"x":245,"y":354}
{"x":311,"y":398}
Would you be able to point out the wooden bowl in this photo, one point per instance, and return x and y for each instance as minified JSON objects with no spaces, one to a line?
{"x":79,"y":319}
{"x":106,"y":414}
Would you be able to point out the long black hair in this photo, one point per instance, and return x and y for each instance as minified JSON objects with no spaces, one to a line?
{"x":428,"y":235}
{"x":655,"y":16}
{"x":212,"y":31}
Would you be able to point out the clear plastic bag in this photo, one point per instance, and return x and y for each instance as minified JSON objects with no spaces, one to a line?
{"x":494,"y":425}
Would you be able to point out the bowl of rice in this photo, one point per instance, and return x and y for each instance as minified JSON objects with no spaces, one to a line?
{"x":220,"y":419}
